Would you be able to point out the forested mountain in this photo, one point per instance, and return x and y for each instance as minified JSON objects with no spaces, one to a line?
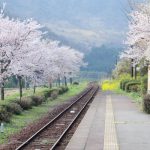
{"x":102,"y":59}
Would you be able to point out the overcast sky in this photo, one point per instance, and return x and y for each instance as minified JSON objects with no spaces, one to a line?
{"x":88,"y":22}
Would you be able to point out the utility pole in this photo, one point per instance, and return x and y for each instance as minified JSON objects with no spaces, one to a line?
{"x":132,"y":68}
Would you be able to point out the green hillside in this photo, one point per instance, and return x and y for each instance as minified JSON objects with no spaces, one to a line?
{"x":102,"y":59}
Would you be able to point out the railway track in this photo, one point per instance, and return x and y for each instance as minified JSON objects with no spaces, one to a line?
{"x":50,"y":135}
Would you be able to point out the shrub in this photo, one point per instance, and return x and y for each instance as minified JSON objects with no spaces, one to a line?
{"x":47,"y":94}
{"x":76,"y":83}
{"x":37,"y":100}
{"x":60,"y":91}
{"x":25,"y":103}
{"x":13,"y":108}
{"x":63,"y":89}
{"x":45,"y":86}
{"x":132,"y":86}
{"x":4,"y":115}
{"x":123,"y":83}
{"x":146,"y":103}
{"x":54,"y":94}
{"x":49,"y":99}
{"x":144,"y":82}
{"x":135,"y":88}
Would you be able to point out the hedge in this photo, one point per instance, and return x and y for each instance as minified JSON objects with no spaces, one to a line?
{"x":146,"y":103}
{"x":133,"y":86}
{"x":123,"y":83}
{"x":144,"y":83}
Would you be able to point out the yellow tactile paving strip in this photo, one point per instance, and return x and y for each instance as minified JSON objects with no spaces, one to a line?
{"x":110,"y":137}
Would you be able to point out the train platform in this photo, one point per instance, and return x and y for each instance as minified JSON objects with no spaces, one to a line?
{"x":113,"y":122}
{"x":89,"y":134}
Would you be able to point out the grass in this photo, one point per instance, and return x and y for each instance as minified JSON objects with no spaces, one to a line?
{"x":135,"y":97}
{"x":20,"y":121}
{"x":114,"y":85}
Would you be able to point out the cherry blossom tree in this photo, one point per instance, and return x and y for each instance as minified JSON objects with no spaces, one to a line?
{"x":15,"y":38}
{"x":67,"y":62}
{"x":47,"y":59}
{"x":138,"y":37}
{"x":26,"y":54}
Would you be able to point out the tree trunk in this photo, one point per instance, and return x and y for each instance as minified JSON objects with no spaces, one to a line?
{"x":135,"y":72}
{"x":71,"y":81}
{"x":58,"y":80}
{"x":34,"y":89}
{"x":2,"y":84}
{"x":56,"y":83}
{"x":50,"y":85}
{"x":26,"y":83}
{"x":2,"y":92}
{"x":148,"y":88}
{"x":65,"y":80}
{"x":20,"y":86}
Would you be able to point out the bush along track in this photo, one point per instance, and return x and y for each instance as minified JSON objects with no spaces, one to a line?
{"x":16,"y":107}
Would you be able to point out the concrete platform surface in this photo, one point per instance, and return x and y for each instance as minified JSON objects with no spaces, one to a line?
{"x":113,"y":122}
{"x":132,"y":125}
{"x":90,"y":133}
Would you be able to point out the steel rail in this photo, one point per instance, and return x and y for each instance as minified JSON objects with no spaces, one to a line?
{"x":24,"y":144}
{"x":71,"y":124}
